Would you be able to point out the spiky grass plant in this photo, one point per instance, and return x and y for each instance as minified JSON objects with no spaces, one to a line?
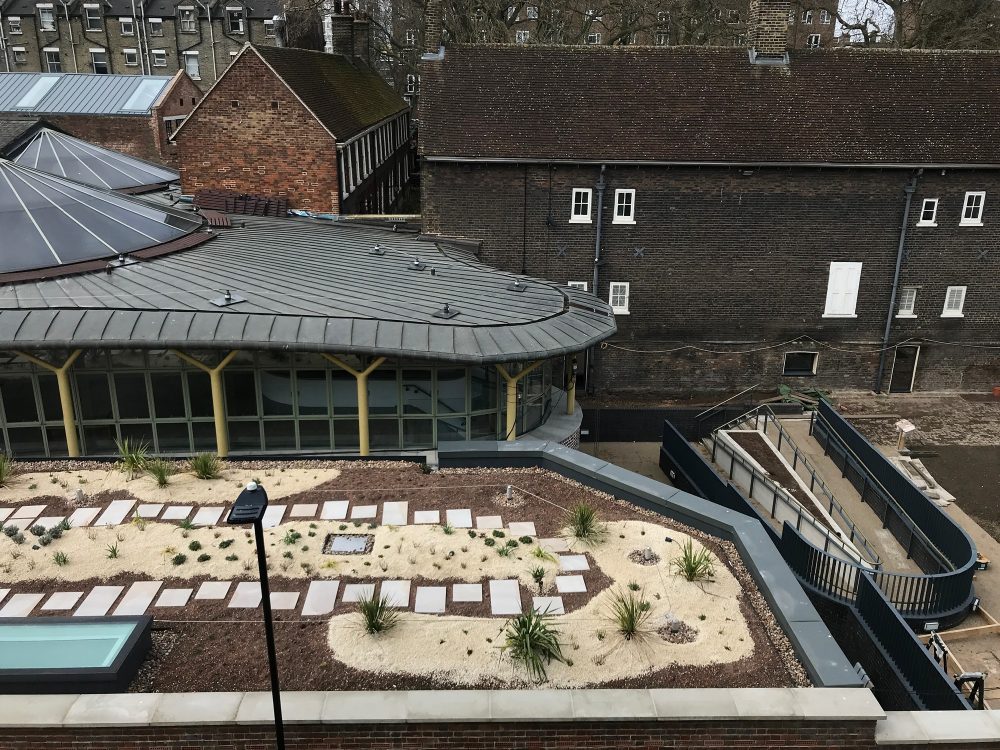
{"x":629,"y":611}
{"x":377,"y":615}
{"x":7,"y":468}
{"x":585,"y":525}
{"x":133,"y":456}
{"x":530,"y":640}
{"x":543,"y":554}
{"x":694,"y":565}
{"x":538,"y":576}
{"x":160,"y":470}
{"x":205,"y":465}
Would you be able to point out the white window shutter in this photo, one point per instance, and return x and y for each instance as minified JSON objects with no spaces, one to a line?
{"x":842,"y":289}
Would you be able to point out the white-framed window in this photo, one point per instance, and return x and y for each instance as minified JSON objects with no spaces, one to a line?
{"x":170,"y":124}
{"x":20,"y":55}
{"x":662,"y":18}
{"x":618,"y":297}
{"x":624,"y":207}
{"x":14,"y":25}
{"x":813,"y":41}
{"x":954,"y":302}
{"x":234,"y":19}
{"x":842,"y":290}
{"x":824,"y":17}
{"x":188,"y":20}
{"x":627,"y":39}
{"x":99,"y":60}
{"x":907,"y":302}
{"x":800,"y":364}
{"x":511,"y":13}
{"x":159,"y":58}
{"x":479,"y":16}
{"x":791,"y":16}
{"x":410,"y":37}
{"x":579,"y":212}
{"x":734,"y":16}
{"x":531,"y":11}
{"x":52,"y":62}
{"x":521,"y":36}
{"x":928,"y":213}
{"x":578,"y":285}
{"x":807,"y":16}
{"x":155,"y":26}
{"x":128,"y":26}
{"x":131,"y":57}
{"x":92,"y":18}
{"x":662,"y":39}
{"x":972,"y":210}
{"x":46,"y":18}
{"x":192,"y":65}
{"x":270,"y":31}
{"x":594,"y":37}
{"x":412,"y":83}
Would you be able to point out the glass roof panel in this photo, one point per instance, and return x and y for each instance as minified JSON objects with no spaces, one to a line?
{"x":37,"y":92}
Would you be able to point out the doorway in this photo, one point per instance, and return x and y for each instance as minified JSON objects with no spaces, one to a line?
{"x":904,"y":369}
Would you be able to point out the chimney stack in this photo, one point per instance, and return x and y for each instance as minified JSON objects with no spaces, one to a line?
{"x":433,"y":29}
{"x":768,"y":31}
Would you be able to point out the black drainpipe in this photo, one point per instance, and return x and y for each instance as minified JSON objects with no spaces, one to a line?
{"x":588,"y":385}
{"x":909,"y":189}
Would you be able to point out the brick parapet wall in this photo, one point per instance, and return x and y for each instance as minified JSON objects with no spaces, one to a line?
{"x":134,"y":135}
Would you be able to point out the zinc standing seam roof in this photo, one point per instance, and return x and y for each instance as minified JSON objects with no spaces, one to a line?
{"x":308,"y":286}
{"x":79,"y":93}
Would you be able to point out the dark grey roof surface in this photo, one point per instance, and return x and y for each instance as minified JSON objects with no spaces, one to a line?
{"x":14,"y":130}
{"x":66,"y":156}
{"x":80,"y":93}
{"x":307,"y":286}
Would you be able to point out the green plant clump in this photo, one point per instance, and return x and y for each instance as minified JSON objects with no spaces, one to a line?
{"x":694,"y":565}
{"x":448,"y":529}
{"x":225,"y":543}
{"x":585,"y":524}
{"x":377,"y":615}
{"x":111,"y":548}
{"x":538,"y":575}
{"x":60,"y":559}
{"x":498,"y":534}
{"x":10,"y":530}
{"x":530,"y":640}
{"x":160,"y":470}
{"x":194,"y":546}
{"x":629,"y":612}
{"x":489,"y":541}
{"x":204,"y":557}
{"x":133,"y":456}
{"x":232,"y":558}
{"x":45,"y":540}
{"x":525,"y":540}
{"x":543,"y":554}
{"x":7,"y":468}
{"x":504,"y":551}
{"x":37,"y":529}
{"x":179,"y":559}
{"x":291,"y":536}
{"x":205,"y":465}
{"x":18,"y":538}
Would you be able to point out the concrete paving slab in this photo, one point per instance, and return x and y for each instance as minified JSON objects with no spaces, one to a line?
{"x":20,"y":605}
{"x":62,"y":600}
{"x":284,"y":599}
{"x":197,"y":708}
{"x":570,"y":584}
{"x":554,"y":544}
{"x":766,"y":702}
{"x":297,"y":707}
{"x":344,"y":707}
{"x":4,"y":512}
{"x":35,"y":710}
{"x":694,"y":703}
{"x":613,"y":704}
{"x":522,"y":528}
{"x":467,"y":592}
{"x":572,"y":563}
{"x":548,"y":605}
{"x":247,"y":595}
{"x":138,"y":598}
{"x":461,"y":705}
{"x":426,"y":516}
{"x":397,"y":593}
{"x":321,"y":596}
{"x":208,"y":516}
{"x":174,"y":597}
{"x":27,"y":511}
{"x":48,"y":522}
{"x":115,"y":513}
{"x":364,"y":511}
{"x":334,"y":510}
{"x":303,"y":510}
{"x":83,"y":516}
{"x":273,"y":515}
{"x":98,"y":601}
{"x":149,"y":510}
{"x":489,"y":522}
{"x":113,"y":709}
{"x":517,"y":705}
{"x":356,"y":591}
{"x":505,"y":597}
{"x":3,"y":593}
{"x":901,"y":727}
{"x":395,"y":513}
{"x":459,"y":518}
{"x":176,"y":512}
{"x":213,"y":590}
{"x":430,"y":599}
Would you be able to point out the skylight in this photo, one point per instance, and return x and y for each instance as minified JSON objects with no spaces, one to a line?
{"x":144,"y":96}
{"x":37,"y":92}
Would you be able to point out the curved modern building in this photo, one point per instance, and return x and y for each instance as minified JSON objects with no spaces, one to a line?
{"x":122,"y":317}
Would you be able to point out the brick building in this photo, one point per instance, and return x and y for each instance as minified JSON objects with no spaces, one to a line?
{"x":739,"y":243}
{"x":323,"y":130}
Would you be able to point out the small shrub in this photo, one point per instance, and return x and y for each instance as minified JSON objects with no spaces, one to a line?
{"x":448,"y":529}
{"x":342,"y":526}
{"x":186,"y":523}
{"x":194,"y":546}
{"x":33,"y":486}
{"x":205,"y":465}
{"x":694,"y":565}
{"x":204,"y":557}
{"x":585,"y":525}
{"x":160,"y":470}
{"x":64,"y":525}
{"x":543,"y":554}
{"x":45,"y":540}
{"x":225,"y":543}
{"x":512,"y":543}
{"x":498,"y":534}
{"x":55,"y":532}
{"x":489,"y":541}
{"x":60,"y":558}
{"x":139,"y":522}
{"x":37,"y":529}
{"x":10,"y":530}
{"x":8,"y":469}
{"x":377,"y":615}
{"x":18,"y":538}
{"x":538,"y":575}
{"x":112,"y":551}
{"x":530,"y":640}
{"x":231,"y":558}
{"x":472,"y":534}
{"x":291,"y":536}
{"x":525,"y":540}
{"x":179,"y":559}
{"x":133,"y":456}
{"x":633,"y":586}
{"x":504,"y":551}
{"x":629,"y":614}
{"x":287,"y":554}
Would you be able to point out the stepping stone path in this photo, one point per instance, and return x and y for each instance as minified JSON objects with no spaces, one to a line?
{"x":273,"y":515}
{"x":548,"y":605}
{"x":138,"y":598}
{"x":148,"y":510}
{"x":284,"y":599}
{"x":247,"y":595}
{"x":505,"y":597}
{"x":355,"y":591}
{"x":426,"y":516}
{"x":364,"y":511}
{"x":4,"y":512}
{"x":48,"y":522}
{"x":320,"y":598}
{"x":20,"y":605}
{"x":522,"y":528}
{"x":176,"y":513}
{"x":62,"y":600}
{"x":83,"y":516}
{"x":29,"y":512}
{"x":395,"y":514}
{"x":334,"y":510}
{"x":208,"y":516}
{"x":115,"y":513}
{"x":174,"y":598}
{"x":466,"y":592}
{"x":489,"y":522}
{"x":460,"y":519}
{"x":303,"y":510}
{"x":573,"y":562}
{"x":213,"y":590}
{"x":570,"y":584}
{"x":397,"y":593}
{"x":556,"y":544}
{"x":430,"y":599}
{"x":98,"y":601}
{"x":3,"y":593}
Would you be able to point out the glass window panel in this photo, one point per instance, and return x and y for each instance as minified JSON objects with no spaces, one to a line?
{"x":452,"y":428}
{"x":484,"y":388}
{"x":130,"y":392}
{"x":383,"y":433}
{"x":100,"y":439}
{"x":383,"y":392}
{"x":173,"y":437}
{"x":418,"y":433}
{"x":57,"y":441}
{"x":314,"y":434}
{"x":138,"y":433}
{"x":241,"y":394}
{"x":345,"y":392}
{"x":26,"y":441}
{"x":19,"y":399}
{"x":451,"y":391}
{"x":204,"y":436}
{"x":312,"y":392}
{"x":200,"y":394}
{"x":244,"y":436}
{"x":168,"y":396}
{"x":279,"y":435}
{"x":417,"y":398}
{"x":51,"y":406}
{"x":95,"y":396}
{"x":276,"y":392}
{"x":345,"y":434}
{"x":484,"y":427}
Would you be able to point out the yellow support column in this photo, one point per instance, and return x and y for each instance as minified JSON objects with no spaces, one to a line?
{"x":218,"y":399}
{"x":361,"y":376}
{"x":571,"y":386}
{"x":65,"y":397}
{"x":512,"y":381}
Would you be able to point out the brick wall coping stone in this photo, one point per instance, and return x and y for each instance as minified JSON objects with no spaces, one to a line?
{"x":440,"y":706}
{"x":938,"y":727}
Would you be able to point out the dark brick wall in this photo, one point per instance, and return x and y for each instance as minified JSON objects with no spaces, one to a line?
{"x":180,"y":99}
{"x":133,"y":135}
{"x":727,"y":261}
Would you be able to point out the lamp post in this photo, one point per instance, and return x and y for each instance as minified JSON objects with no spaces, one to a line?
{"x":249,"y":510}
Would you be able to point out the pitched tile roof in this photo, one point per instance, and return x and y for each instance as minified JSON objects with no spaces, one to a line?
{"x":686,"y":104}
{"x":15,"y":130}
{"x":346,"y":95}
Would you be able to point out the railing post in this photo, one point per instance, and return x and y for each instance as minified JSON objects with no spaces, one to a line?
{"x":774,"y":502}
{"x":715,"y":444}
{"x":732,"y":465}
{"x":812,"y":480}
{"x":753,"y":477}
{"x":864,"y":487}
{"x":779,"y":440}
{"x":795,"y":458}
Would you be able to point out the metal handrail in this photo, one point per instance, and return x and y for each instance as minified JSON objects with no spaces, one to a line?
{"x":725,"y":401}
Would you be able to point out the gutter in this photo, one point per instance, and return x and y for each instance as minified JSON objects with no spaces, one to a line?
{"x":909,"y":189}
{"x":669,"y":163}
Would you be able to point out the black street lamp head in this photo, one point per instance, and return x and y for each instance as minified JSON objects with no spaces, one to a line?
{"x":249,"y":506}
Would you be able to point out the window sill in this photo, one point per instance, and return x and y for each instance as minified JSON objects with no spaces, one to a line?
{"x":581,"y":221}
{"x":619,"y":312}
{"x":839,"y":315}
{"x":952,"y":315}
{"x":798,"y":374}
{"x":623,"y":221}
{"x":906,"y":316}
{"x":926,"y":223}
{"x":970,"y":223}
